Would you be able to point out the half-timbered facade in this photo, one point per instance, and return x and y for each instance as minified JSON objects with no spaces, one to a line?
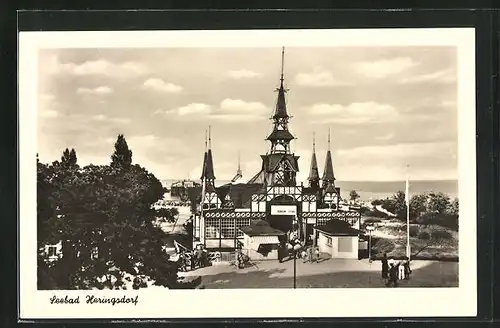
{"x":272,"y":194}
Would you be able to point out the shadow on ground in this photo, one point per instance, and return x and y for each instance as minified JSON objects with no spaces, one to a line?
{"x":436,"y":274}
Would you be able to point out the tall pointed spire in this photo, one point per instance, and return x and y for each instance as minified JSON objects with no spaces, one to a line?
{"x":209,"y":170}
{"x":280,"y":137}
{"x":281,"y":111}
{"x":314,"y":172}
{"x":328,"y":176}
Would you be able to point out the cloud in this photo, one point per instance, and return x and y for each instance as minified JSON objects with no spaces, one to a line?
{"x":104,"y":118}
{"x":427,"y":161}
{"x":191,"y":109}
{"x":227,"y":110}
{"x":100,"y":67}
{"x":354,"y":113}
{"x":49,"y":113}
{"x":102,"y":90}
{"x":237,"y":106}
{"x":243,"y":74}
{"x":443,"y":76}
{"x":161,"y":86}
{"x":319,"y":77}
{"x":382,"y":68}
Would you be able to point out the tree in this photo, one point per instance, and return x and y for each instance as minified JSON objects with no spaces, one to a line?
{"x":418,"y":205}
{"x":454,"y":207}
{"x":122,"y":156}
{"x":400,"y":204}
{"x":438,"y":203}
{"x":103,"y":209}
{"x":353,"y":195}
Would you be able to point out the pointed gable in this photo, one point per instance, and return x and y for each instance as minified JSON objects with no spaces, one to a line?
{"x":209,"y":167}
{"x":281,"y":111}
{"x":328,"y":173}
{"x":314,"y":172}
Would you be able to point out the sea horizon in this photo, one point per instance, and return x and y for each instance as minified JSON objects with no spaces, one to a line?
{"x":370,"y":190}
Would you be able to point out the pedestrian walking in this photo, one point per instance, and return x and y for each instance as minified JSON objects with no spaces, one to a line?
{"x":401,"y":270}
{"x":385,"y":266}
{"x":407,"y":268}
{"x":393,"y":275}
{"x":317,"y":254}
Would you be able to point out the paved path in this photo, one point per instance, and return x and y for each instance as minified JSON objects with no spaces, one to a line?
{"x":329,"y":273}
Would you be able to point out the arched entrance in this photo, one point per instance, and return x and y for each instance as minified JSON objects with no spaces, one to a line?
{"x":282,"y":213}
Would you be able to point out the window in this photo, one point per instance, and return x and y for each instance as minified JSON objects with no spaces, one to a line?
{"x":241,"y":223}
{"x":52,"y":251}
{"x":212,"y":229}
{"x":329,"y":241}
{"x":345,"y":244}
{"x":227,"y":228}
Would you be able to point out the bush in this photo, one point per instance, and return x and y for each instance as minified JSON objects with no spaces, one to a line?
{"x":414,"y":231}
{"x":441,"y":234}
{"x":424,"y":235}
{"x":381,"y":246}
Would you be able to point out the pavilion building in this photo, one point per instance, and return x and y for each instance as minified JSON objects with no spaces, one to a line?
{"x":273,"y":194}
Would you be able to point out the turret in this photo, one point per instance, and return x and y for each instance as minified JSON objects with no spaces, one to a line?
{"x":314,"y":172}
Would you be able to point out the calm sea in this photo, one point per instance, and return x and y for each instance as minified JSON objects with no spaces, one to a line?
{"x":369,"y":190}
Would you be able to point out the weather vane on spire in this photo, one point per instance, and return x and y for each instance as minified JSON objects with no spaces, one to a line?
{"x":209,"y":137}
{"x":206,"y":140}
{"x":328,"y":138}
{"x":314,"y":141}
{"x":282,"y":62}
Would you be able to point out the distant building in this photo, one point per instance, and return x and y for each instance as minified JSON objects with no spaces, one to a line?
{"x":273,"y":194}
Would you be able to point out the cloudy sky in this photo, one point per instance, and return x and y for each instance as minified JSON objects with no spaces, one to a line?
{"x":386,"y":107}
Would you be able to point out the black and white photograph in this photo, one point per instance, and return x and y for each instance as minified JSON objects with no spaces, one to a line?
{"x":322,"y":166}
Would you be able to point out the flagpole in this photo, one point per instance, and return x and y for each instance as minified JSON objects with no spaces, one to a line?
{"x":407,"y":196}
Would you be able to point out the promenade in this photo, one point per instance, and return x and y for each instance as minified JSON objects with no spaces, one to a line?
{"x":329,"y":273}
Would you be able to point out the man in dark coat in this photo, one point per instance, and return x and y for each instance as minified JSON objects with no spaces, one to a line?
{"x":385,"y":266}
{"x":393,"y":275}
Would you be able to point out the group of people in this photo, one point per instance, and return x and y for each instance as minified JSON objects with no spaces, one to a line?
{"x":310,"y":254}
{"x":393,"y":271}
{"x":198,"y":258}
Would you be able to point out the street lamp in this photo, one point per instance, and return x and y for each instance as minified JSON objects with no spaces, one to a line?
{"x":294,"y":246}
{"x":370,"y":228}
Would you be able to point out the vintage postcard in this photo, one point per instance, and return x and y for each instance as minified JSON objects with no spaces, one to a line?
{"x":197,"y":174}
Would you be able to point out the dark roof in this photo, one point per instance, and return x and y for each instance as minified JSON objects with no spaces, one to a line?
{"x":271,"y":161}
{"x":337,"y":227}
{"x":259,"y":178}
{"x":241,"y":193}
{"x":209,"y":166}
{"x":281,"y":111}
{"x":328,"y":173}
{"x":313,"y":172}
{"x":280,"y":134}
{"x":261,"y":228}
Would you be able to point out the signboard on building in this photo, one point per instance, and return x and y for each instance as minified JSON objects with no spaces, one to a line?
{"x":283,"y":210}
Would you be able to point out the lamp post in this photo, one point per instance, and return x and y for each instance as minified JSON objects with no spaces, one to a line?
{"x":294,"y":246}
{"x":370,"y":228}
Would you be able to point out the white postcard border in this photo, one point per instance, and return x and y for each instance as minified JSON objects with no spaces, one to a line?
{"x":227,"y":303}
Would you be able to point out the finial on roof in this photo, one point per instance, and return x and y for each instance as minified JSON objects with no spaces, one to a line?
{"x":328,"y":138}
{"x":209,"y":137}
{"x":282,"y":62}
{"x":206,"y":140}
{"x":314,"y":141}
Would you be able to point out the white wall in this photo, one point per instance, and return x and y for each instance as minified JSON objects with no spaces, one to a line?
{"x":334,"y":249}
